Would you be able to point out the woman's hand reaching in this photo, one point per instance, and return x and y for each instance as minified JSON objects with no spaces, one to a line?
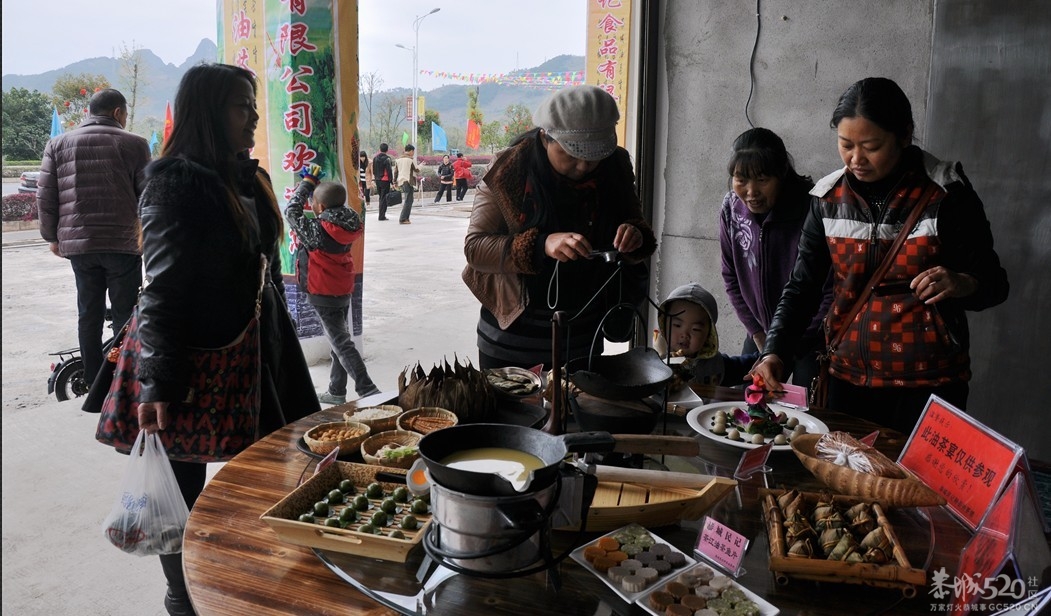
{"x":769,"y":368}
{"x":567,"y":246}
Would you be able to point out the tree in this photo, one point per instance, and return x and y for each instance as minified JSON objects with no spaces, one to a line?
{"x":494,"y":136}
{"x":518,"y":120}
{"x":429,"y":117}
{"x":368,"y":85}
{"x":390,"y":113}
{"x":133,"y":77}
{"x":26,"y":124}
{"x":71,"y":93}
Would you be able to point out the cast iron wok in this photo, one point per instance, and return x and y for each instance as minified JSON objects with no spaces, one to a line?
{"x":551,"y":450}
{"x":634,"y":375}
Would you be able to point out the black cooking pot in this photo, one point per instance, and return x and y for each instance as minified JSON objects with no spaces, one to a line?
{"x":634,"y":375}
{"x":615,"y":416}
{"x":551,"y":450}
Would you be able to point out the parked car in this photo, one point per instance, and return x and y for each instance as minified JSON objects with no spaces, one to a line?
{"x":28,"y":184}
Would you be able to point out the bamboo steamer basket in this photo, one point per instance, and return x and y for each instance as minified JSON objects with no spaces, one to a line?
{"x":426,"y":419}
{"x":371,"y":446}
{"x":903,"y":491}
{"x":324,"y":447}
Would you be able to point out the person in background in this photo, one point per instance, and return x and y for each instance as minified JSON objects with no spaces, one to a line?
{"x":383,"y":171}
{"x":208,"y":214}
{"x":559,"y":192}
{"x":910,"y":340}
{"x":406,"y":173}
{"x":87,"y":199}
{"x":686,"y":329}
{"x":461,"y":173}
{"x":325,"y":270}
{"x":365,"y":177}
{"x":759,"y":225}
{"x":445,"y":179}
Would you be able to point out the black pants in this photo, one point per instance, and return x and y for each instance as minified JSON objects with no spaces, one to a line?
{"x":461,"y":188}
{"x":447,"y":189}
{"x":365,"y":190}
{"x":98,"y":274}
{"x":382,"y":188}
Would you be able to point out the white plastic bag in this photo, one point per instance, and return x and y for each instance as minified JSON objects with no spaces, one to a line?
{"x":149,"y":516}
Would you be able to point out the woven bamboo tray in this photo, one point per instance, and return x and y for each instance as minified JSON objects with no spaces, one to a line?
{"x":902,"y":491}
{"x":401,"y":438}
{"x":898,"y":574}
{"x":380,"y":418}
{"x":324,"y":447}
{"x":426,"y":419}
{"x":283,"y":517}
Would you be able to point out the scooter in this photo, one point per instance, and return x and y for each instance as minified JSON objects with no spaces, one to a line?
{"x":67,"y":373}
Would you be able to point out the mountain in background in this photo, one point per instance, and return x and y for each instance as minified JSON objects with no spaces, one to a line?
{"x":162,"y":79}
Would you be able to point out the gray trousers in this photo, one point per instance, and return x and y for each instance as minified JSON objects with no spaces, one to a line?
{"x":345,"y":357}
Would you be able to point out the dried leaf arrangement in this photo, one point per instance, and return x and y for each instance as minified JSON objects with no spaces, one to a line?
{"x":459,"y":388}
{"x":823,"y":529}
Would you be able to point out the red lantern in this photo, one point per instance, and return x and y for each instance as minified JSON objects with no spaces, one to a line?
{"x":97,"y":89}
{"x":83,"y":91}
{"x":67,"y":103}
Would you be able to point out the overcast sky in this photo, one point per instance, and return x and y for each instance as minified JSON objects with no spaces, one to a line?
{"x":465,"y":36}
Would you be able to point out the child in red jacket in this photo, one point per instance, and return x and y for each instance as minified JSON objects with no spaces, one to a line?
{"x":325,"y":272}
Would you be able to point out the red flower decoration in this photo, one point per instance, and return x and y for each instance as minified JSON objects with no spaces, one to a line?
{"x":67,"y":103}
{"x":83,"y":91}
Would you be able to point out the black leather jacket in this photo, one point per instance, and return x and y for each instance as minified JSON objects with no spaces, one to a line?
{"x":202,"y":276}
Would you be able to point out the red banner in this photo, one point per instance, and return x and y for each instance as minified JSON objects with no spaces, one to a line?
{"x":474,"y":134}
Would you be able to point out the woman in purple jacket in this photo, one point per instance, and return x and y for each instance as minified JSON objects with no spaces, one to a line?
{"x":759,"y":223}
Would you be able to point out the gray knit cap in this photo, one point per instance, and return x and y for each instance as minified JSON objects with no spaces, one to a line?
{"x":696,"y":294}
{"x":582,"y":119}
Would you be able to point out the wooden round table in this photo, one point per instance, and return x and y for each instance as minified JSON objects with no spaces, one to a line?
{"x":236,"y":564}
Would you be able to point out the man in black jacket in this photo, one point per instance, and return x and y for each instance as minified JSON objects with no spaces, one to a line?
{"x":383,"y":171}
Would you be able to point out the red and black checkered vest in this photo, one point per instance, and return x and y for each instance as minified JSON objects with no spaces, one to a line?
{"x":896,"y":340}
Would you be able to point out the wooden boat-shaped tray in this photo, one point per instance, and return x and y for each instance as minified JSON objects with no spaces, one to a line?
{"x":618,"y":503}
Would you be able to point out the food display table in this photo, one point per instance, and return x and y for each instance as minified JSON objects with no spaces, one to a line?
{"x":236,"y":564}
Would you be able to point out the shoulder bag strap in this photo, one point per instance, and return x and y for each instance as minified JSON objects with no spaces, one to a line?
{"x":884,"y":266}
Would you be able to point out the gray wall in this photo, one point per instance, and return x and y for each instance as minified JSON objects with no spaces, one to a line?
{"x":807,"y":54}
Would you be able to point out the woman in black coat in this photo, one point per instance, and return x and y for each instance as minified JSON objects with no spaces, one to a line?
{"x":208,"y":216}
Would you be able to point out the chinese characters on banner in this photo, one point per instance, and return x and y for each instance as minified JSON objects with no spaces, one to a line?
{"x":304,"y":56}
{"x":608,"y":39}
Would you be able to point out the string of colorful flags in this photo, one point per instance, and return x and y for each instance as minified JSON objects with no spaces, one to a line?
{"x":544,"y":79}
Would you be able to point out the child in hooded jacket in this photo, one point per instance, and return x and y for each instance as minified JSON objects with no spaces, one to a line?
{"x":325,"y":271}
{"x":687,"y":330}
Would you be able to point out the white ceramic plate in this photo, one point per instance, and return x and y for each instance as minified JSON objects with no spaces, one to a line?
{"x":578,"y":555}
{"x":765,"y":608}
{"x":702,"y":418}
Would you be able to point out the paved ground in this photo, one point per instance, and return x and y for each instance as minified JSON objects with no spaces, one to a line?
{"x":58,"y":482}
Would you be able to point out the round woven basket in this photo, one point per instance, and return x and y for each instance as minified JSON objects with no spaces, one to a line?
{"x":358,"y":430}
{"x":426,"y":419}
{"x":398,"y":438}
{"x":906,"y":491}
{"x":380,"y":418}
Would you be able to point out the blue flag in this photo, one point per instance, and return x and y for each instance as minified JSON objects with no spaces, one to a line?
{"x":153,"y":142}
{"x":56,"y":125}
{"x":439,"y":142}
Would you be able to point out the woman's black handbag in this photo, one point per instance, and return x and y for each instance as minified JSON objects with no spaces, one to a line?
{"x":393,"y":198}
